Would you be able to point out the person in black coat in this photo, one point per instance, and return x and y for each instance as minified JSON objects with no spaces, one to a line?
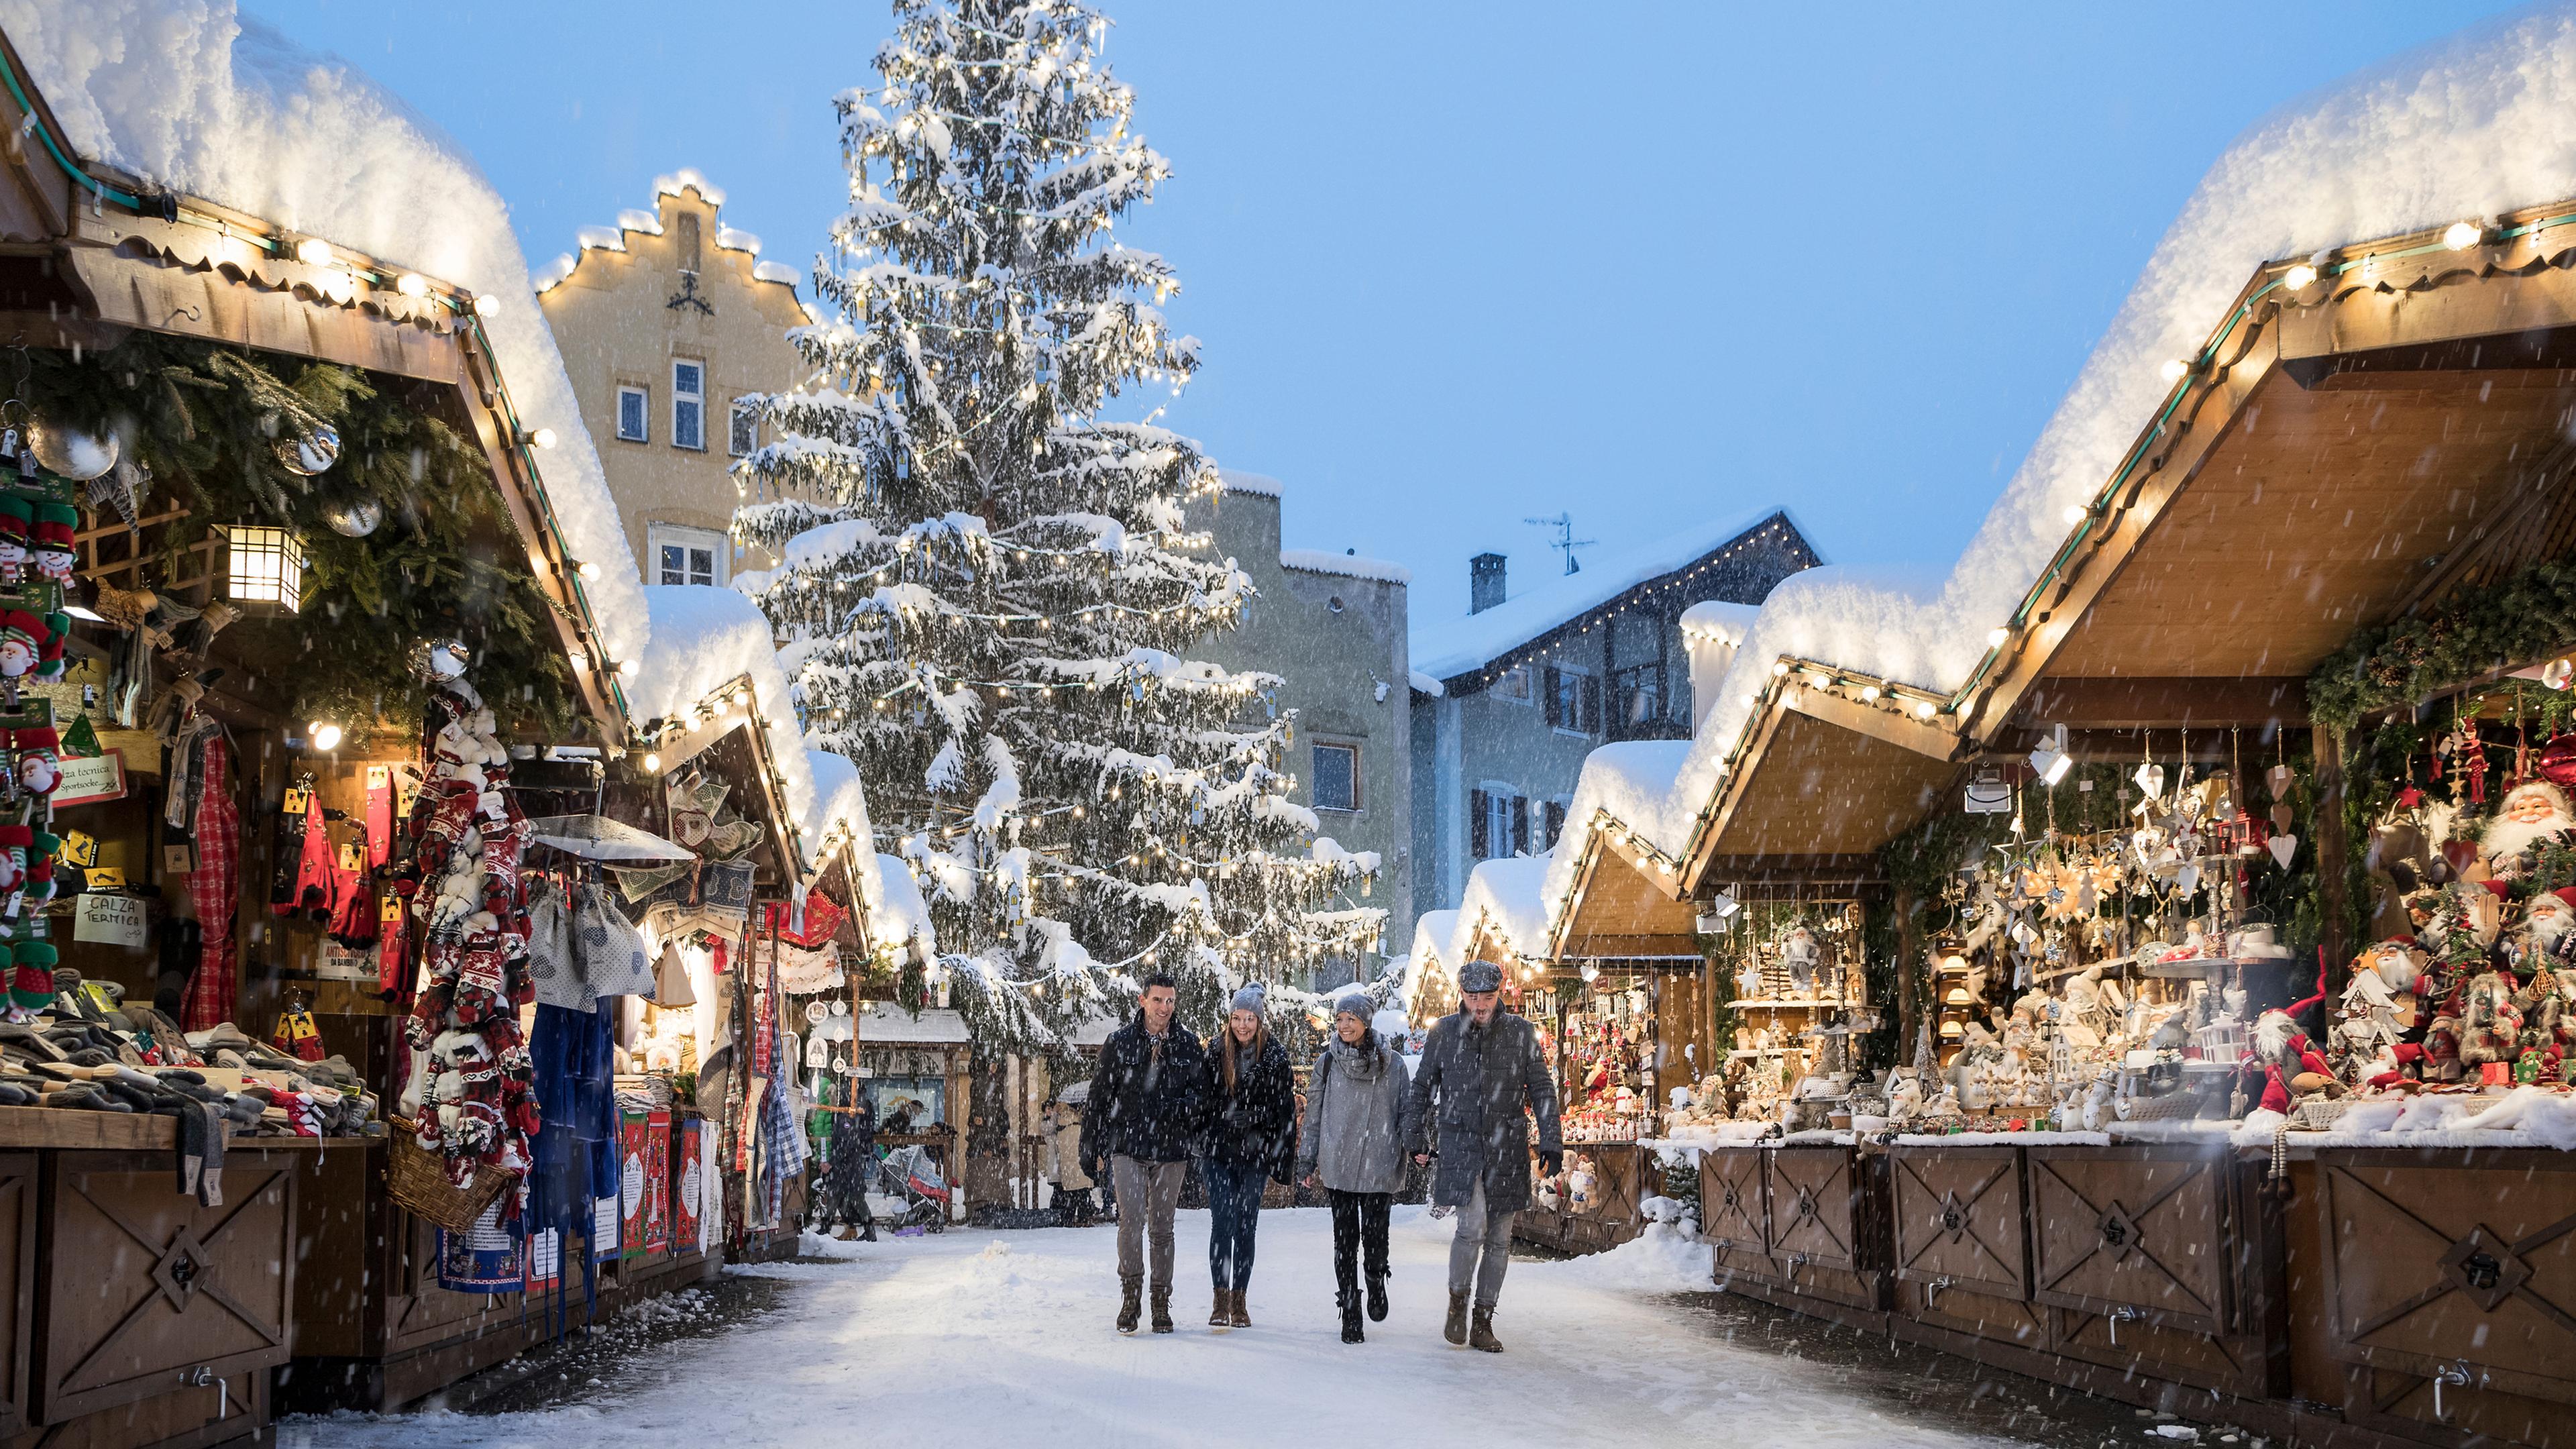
{"x":852,"y":1164}
{"x":1142,"y":1117}
{"x":1251,"y":1138}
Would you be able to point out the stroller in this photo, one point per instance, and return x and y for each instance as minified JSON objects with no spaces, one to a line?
{"x":909,"y":1176}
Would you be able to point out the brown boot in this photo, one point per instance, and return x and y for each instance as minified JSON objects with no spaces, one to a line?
{"x":1131,"y":1304}
{"x":1454,"y":1328}
{"x":1162,"y":1308}
{"x":1242,"y":1316}
{"x":1481,"y":1337}
{"x":1221,"y":1317}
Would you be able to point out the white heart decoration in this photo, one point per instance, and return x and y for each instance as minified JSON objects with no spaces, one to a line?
{"x":2150,"y":778}
{"x":2187,"y":880}
{"x":2283,"y":847}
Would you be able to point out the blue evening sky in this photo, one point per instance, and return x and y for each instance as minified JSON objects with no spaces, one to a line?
{"x":1459,"y":263}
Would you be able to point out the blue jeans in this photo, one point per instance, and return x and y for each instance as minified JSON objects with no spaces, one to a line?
{"x":1234,"y":1213}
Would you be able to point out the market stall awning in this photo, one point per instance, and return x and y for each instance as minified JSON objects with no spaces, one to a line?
{"x":2354,"y":449}
{"x":1824,"y":774}
{"x":1627,"y":902}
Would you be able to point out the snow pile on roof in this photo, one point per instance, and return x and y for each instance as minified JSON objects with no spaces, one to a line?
{"x":1431,"y":933}
{"x":1503,"y":897}
{"x":644,"y":221}
{"x":1730,"y":622}
{"x":840,"y":803}
{"x":552,"y":274}
{"x":883,"y":1022}
{"x":897,"y":915}
{"x":734,"y":239}
{"x":1260,"y":484}
{"x":1424,"y":684}
{"x":194,"y":95}
{"x":1316,"y":561}
{"x":600,"y":239}
{"x":1452,"y":647}
{"x":688,"y":176}
{"x":774,"y":272}
{"x":705,"y":639}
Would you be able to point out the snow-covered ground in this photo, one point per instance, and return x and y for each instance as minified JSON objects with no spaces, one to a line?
{"x":973,"y":1338}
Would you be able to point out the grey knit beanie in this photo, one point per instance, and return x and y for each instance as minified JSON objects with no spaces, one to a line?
{"x":1250,"y":999}
{"x":1356,"y":1003}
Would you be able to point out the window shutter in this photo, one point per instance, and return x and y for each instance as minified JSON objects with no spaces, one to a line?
{"x":1552,"y":703}
{"x":1520,"y":825}
{"x":1555,"y":819}
{"x":1478,"y":824}
{"x":1590,"y":723}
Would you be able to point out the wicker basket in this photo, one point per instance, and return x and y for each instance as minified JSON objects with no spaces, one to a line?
{"x":2318,"y":1114}
{"x":417,"y":1178}
{"x":2173,"y":1106}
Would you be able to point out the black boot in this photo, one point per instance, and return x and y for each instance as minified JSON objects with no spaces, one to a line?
{"x":1454,"y":1328}
{"x":1481,"y":1337}
{"x":1131,"y":1304}
{"x":1377,"y":1299}
{"x":1350,"y":1303}
{"x":1162,"y":1308}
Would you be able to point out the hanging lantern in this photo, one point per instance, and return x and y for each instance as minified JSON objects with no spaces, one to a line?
{"x":263,"y":565}
{"x":312,"y":453}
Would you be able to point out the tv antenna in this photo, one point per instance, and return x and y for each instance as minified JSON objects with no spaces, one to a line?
{"x":1563,"y":523}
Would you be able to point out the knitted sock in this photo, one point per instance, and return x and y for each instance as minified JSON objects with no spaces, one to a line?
{"x":31,"y":975}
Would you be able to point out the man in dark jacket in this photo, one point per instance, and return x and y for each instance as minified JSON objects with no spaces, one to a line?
{"x":1142,"y":1117}
{"x":1482,"y":1073}
{"x":852,"y":1163}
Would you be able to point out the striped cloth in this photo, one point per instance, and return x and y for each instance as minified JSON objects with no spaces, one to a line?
{"x":214,"y":987}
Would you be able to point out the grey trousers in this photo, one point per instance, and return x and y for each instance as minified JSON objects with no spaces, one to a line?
{"x":1482,"y":1249}
{"x":1148,"y":1193}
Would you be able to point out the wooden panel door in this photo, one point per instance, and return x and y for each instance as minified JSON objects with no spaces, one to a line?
{"x":1812,"y":1199}
{"x":2453,"y":1262}
{"x":141,"y":1284}
{"x":17,"y":1286}
{"x":424,"y":1314}
{"x":1959,"y":1220}
{"x":1730,"y":1199}
{"x":2134,"y":1233}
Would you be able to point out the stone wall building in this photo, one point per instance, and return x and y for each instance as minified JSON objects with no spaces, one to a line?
{"x":1333,"y":626}
{"x":666,"y":321}
{"x":1509,"y":699}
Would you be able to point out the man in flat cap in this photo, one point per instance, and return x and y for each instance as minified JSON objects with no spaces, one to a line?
{"x":1482,"y":1075}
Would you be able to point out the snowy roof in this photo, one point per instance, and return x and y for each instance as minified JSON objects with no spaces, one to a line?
{"x":2465,"y":127}
{"x":1316,"y":561}
{"x":1449,"y":648}
{"x":195,"y":96}
{"x":613,"y":238}
{"x":1425,"y":684}
{"x":886,"y":1024}
{"x":1430,"y":953}
{"x":706,"y":638}
{"x":1729,"y":622}
{"x":897,"y":915}
{"x":1503,"y":899}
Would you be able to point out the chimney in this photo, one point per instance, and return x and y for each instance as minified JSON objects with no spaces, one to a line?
{"x":1484,"y":582}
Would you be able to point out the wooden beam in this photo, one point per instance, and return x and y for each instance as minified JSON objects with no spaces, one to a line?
{"x":2334,"y":898}
{"x":2163,"y":703}
{"x":1606,"y":944}
{"x":1924,"y":738}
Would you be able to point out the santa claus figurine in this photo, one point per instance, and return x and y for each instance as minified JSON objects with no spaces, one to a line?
{"x":2549,"y":923}
{"x":2533,"y":812}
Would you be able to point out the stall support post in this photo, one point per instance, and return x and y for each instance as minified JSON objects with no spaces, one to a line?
{"x":1909,"y":955}
{"x":2334,"y":898}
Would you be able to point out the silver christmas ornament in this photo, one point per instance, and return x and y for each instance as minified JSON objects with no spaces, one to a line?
{"x":313,"y":453}
{"x":69,"y":453}
{"x":354,"y":518}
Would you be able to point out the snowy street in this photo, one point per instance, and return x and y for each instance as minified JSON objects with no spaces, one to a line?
{"x":972,"y":1338}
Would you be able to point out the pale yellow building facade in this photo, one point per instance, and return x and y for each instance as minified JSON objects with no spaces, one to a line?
{"x":666,"y":322}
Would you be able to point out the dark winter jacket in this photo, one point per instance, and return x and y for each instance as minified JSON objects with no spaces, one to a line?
{"x":1359,"y":1119}
{"x":1142,"y":1107}
{"x":1258,"y":1122}
{"x":1472,"y":1095}
{"x":854,"y":1144}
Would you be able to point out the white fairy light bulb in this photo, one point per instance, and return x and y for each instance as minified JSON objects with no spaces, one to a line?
{"x":2298,"y":277}
{"x":2459,"y":236}
{"x":2174,"y":369}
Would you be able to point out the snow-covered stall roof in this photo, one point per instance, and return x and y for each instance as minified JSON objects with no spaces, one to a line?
{"x":2465,"y":127}
{"x":194,"y":96}
{"x":1431,"y":934}
{"x":1503,"y":901}
{"x":1448,"y":648}
{"x":897,"y":915}
{"x":704,"y":640}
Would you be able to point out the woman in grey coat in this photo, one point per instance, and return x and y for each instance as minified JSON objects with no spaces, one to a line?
{"x":1358,"y":1119}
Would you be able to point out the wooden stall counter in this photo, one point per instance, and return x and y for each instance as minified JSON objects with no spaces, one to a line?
{"x":1623,"y":1177}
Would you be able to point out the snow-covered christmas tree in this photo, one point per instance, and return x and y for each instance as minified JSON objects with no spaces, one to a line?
{"x":991,"y":608}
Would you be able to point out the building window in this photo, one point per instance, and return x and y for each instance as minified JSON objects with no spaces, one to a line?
{"x":1514,"y":684}
{"x":630,"y":414}
{"x":1498,"y":823}
{"x":1337,"y":777}
{"x":1641,"y":703}
{"x":689,"y":405}
{"x":745,"y":434}
{"x":1573,"y":701}
{"x":686,"y":555}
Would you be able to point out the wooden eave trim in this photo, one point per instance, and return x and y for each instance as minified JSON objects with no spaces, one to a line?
{"x":782,"y":824}
{"x":35,"y":175}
